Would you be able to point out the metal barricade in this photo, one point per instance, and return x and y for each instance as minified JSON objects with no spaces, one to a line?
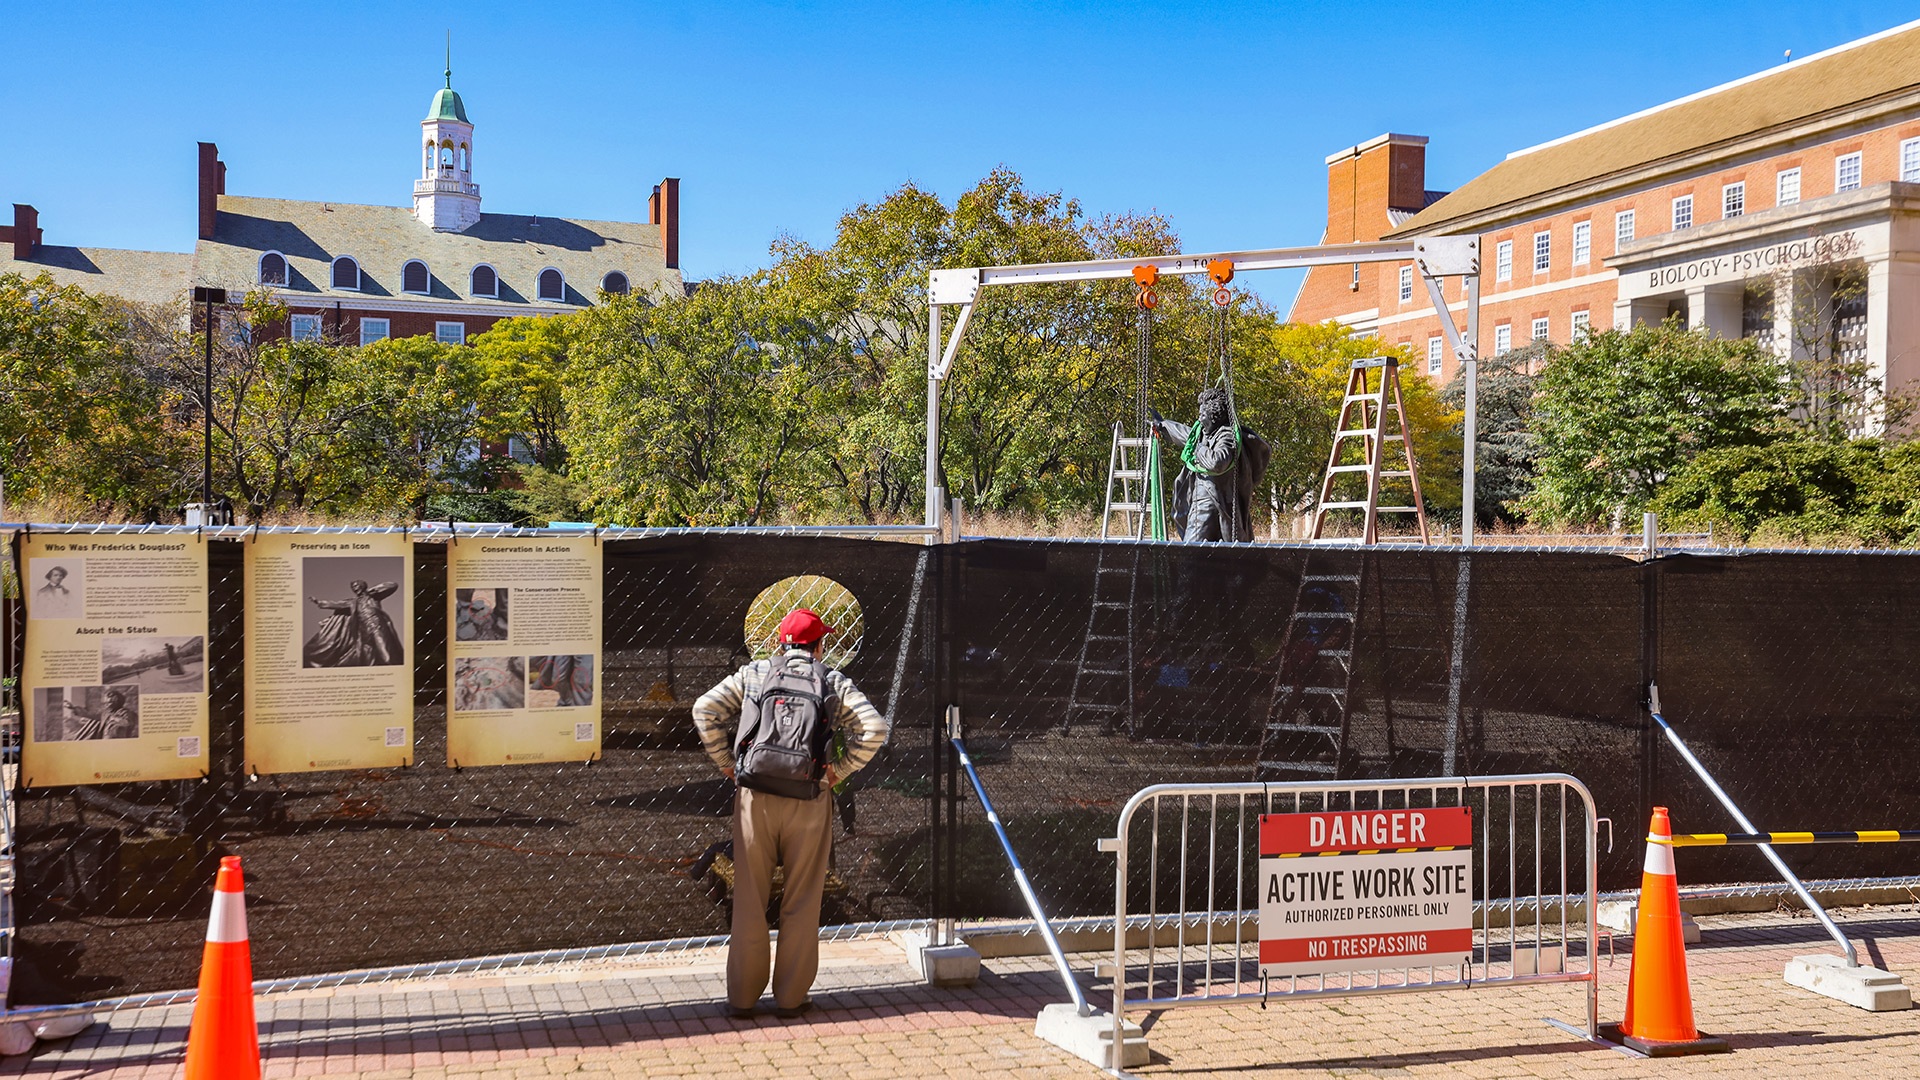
{"x":1183,"y":939}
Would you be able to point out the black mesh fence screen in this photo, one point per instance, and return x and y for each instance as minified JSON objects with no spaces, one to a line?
{"x":1083,"y":672}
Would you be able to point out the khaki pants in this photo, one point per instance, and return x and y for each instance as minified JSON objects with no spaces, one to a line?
{"x":770,"y":830}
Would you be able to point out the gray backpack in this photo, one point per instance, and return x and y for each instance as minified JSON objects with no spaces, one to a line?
{"x":781,"y":745}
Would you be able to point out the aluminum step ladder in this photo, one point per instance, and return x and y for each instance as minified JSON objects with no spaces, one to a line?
{"x":1103,"y":677}
{"x":1373,"y":418}
{"x":1304,"y":734}
{"x":1128,"y":512}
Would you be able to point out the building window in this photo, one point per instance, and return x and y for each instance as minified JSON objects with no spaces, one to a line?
{"x":304,"y":328}
{"x":1733,"y":200}
{"x":372,"y":330}
{"x":1433,"y":355}
{"x":1582,"y":324}
{"x":1542,"y":252}
{"x":485,"y":282}
{"x":1846,"y":172}
{"x":414,"y":277}
{"x":552,"y":285}
{"x":1756,"y":312}
{"x":1786,"y":187}
{"x":346,"y":273}
{"x":1503,"y":261}
{"x":1622,"y":228}
{"x":450,"y":333}
{"x":614,"y":284}
{"x":1406,"y":284}
{"x":273,"y":269}
{"x":1502,"y":339}
{"x":1910,"y":161}
{"x":1683,"y":212}
{"x":1540,"y":329}
{"x":1582,"y":242}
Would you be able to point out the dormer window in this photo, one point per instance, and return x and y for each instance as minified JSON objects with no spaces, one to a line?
{"x":273,"y":269}
{"x":414,"y":277}
{"x":346,"y":273}
{"x":552,"y":285}
{"x":485,"y":282}
{"x":614,"y":283}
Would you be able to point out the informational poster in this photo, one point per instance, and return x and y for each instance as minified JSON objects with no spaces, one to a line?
{"x":115,"y":674}
{"x":523,"y":662}
{"x":1364,"y":890}
{"x":329,"y":652}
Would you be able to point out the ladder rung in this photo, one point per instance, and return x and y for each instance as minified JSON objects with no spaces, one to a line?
{"x":1103,"y":671}
{"x":1138,"y":474}
{"x":1129,"y":441}
{"x":1323,"y":614}
{"x":1396,"y":509}
{"x":1397,"y":472}
{"x":1344,"y":506}
{"x":1356,"y":468}
{"x":1330,"y":691}
{"x":1337,"y":654}
{"x":1109,"y":637}
{"x":1318,"y":729}
{"x":1091,"y":706}
{"x":1128,"y":507}
{"x":1330,"y":577}
{"x":1112,"y":604}
{"x":1304,"y":766}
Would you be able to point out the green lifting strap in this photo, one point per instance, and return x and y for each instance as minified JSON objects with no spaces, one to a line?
{"x":1156,"y":490}
{"x":1193,"y":443}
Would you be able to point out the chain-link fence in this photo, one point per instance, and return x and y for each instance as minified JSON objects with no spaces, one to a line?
{"x":1082,"y":671}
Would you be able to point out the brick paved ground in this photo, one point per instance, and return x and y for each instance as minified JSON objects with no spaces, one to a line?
{"x":655,"y":1017}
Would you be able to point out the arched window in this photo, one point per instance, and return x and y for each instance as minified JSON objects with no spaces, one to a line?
{"x":485,"y":281}
{"x":615,"y":283}
{"x":465,"y":163}
{"x":446,"y":154}
{"x":414,"y":277}
{"x":346,"y":273}
{"x":273,"y":269}
{"x":427,"y":163}
{"x":552,"y":285}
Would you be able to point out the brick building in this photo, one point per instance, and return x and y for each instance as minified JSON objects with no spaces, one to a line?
{"x":1783,"y":206}
{"x":356,"y":274}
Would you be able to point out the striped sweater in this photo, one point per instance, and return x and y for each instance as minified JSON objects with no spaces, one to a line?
{"x":716,"y":716}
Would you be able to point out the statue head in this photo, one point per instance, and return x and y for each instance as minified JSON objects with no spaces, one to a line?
{"x":358,"y":587}
{"x":1213,"y":409}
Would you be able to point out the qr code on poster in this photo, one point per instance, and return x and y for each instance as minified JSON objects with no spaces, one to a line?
{"x":187,"y":746}
{"x":583,"y":732}
{"x":396,"y":736}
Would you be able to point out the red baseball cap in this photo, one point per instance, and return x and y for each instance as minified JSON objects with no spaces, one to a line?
{"x":802,"y":627}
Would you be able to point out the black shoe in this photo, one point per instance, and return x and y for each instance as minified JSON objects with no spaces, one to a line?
{"x":740,"y":1012}
{"x":796,"y":1011}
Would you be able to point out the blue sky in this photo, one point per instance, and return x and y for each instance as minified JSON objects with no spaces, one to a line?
{"x":778,"y":117}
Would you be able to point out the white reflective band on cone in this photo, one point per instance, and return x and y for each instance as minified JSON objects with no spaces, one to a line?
{"x":1659,"y":855}
{"x":229,"y":921}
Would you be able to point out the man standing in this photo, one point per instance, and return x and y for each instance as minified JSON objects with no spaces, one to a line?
{"x":782,"y":829}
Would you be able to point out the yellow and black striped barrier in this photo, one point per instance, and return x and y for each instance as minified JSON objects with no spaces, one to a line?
{"x":1858,"y":836}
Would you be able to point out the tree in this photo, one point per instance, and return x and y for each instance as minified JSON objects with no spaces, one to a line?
{"x":1800,"y":488}
{"x":1505,"y":446}
{"x":1620,"y":411}
{"x":85,"y":416}
{"x":694,"y":411}
{"x":522,"y":365}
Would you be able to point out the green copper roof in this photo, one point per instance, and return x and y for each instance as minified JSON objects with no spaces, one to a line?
{"x":446,"y":106}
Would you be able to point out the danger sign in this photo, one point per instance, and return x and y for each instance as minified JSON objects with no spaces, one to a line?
{"x":1365,"y":889}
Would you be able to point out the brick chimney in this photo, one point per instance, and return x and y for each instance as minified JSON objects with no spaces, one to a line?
{"x":25,"y":231}
{"x":213,"y":184}
{"x":1364,"y":183}
{"x":663,"y":209}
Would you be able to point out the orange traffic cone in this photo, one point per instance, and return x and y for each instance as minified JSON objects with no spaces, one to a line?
{"x":224,"y":1042}
{"x":1659,"y":1020}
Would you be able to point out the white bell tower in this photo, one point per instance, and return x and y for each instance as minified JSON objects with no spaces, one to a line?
{"x":445,"y":197}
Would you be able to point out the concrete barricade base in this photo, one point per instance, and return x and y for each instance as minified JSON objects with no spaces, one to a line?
{"x":940,"y":965}
{"x":1090,"y":1037}
{"x":1620,"y":916}
{"x":1861,"y":987}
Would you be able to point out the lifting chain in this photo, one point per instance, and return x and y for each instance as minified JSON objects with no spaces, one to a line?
{"x":1220,"y":272}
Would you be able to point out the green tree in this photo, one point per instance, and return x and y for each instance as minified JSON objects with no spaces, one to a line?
{"x":1505,"y":446}
{"x":1620,"y":411}
{"x":86,"y":417}
{"x":1799,"y":488}
{"x":695,"y":411}
{"x":523,"y":368}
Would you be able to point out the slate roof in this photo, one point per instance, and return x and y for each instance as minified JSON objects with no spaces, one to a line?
{"x":382,"y":239}
{"x":1878,"y":68}
{"x":153,"y":277}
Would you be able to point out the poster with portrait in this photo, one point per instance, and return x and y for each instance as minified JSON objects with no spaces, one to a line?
{"x":114,"y":678}
{"x":329,"y":652}
{"x":523,"y":659}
